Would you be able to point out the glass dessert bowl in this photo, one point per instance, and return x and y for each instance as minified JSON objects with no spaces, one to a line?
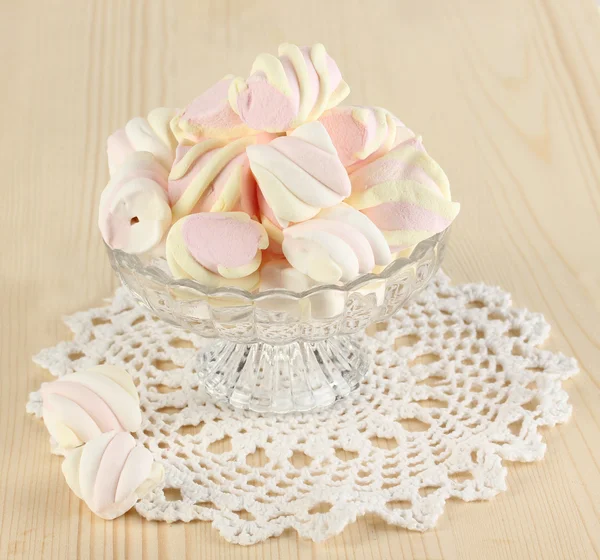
{"x":279,"y":351}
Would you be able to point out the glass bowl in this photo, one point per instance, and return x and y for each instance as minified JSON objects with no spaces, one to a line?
{"x":279,"y":351}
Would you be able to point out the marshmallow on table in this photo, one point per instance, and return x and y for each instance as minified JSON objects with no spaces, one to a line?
{"x":217,"y":249}
{"x":362,"y":134}
{"x":134,"y":210}
{"x":286,"y":91}
{"x":299,"y":174}
{"x":152,"y":134}
{"x":405,"y":194}
{"x":211,"y":115}
{"x":111,"y":472}
{"x":80,"y":406}
{"x":337,"y":245}
{"x":214,"y":176}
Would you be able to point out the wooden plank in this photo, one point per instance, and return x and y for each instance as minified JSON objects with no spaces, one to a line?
{"x":505,"y":95}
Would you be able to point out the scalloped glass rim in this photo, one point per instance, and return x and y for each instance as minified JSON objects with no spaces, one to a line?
{"x":160,"y":276}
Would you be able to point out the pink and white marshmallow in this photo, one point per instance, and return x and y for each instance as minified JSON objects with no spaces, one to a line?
{"x":217,"y":249}
{"x":406,"y":194}
{"x":111,"y":472}
{"x":211,"y":115}
{"x":214,"y":176}
{"x":286,"y":91}
{"x":233,"y":188}
{"x":152,"y":134}
{"x":80,"y":406}
{"x":134,"y":210}
{"x":299,"y":174}
{"x":337,"y":245}
{"x":362,"y":134}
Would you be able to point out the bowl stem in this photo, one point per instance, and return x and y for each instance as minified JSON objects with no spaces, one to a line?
{"x":295,"y":377}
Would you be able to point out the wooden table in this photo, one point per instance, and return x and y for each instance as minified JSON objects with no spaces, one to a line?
{"x":506,"y":96}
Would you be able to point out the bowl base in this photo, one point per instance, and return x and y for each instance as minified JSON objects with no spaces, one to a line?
{"x":295,"y":377}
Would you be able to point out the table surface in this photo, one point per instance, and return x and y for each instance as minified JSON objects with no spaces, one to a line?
{"x":505,"y":95}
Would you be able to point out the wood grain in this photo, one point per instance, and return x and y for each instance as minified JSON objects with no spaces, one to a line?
{"x":506,"y":97}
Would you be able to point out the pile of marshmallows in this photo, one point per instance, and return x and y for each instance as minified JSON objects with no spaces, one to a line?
{"x":89,"y":416}
{"x":272,"y":171}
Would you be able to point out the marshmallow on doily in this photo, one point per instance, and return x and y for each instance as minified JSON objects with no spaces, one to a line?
{"x":286,"y":91}
{"x":111,"y":472}
{"x":80,"y":406}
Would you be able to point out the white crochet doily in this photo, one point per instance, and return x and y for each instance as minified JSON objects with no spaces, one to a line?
{"x":458,"y":385}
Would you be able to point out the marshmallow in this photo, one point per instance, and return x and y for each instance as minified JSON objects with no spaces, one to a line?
{"x":80,"y":406}
{"x":211,"y":115}
{"x":278,"y":274}
{"x":134,"y":210}
{"x":214,"y":176}
{"x":345,"y":214}
{"x":405,"y":194}
{"x":111,"y":472}
{"x":152,"y":134}
{"x":337,"y":245}
{"x":286,"y":91}
{"x":299,"y":174}
{"x":272,"y":226}
{"x":362,"y":134}
{"x":217,"y":249}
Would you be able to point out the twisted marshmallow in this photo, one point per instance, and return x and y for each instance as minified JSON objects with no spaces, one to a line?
{"x":111,"y":472}
{"x":233,"y":187}
{"x":362,"y":134}
{"x":213,"y":176}
{"x":406,"y":194}
{"x":80,"y":406}
{"x":217,"y":249}
{"x":286,"y":91}
{"x":134,"y":210}
{"x":211,"y":115}
{"x":152,"y":134}
{"x":339,"y":244}
{"x":299,"y":174}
